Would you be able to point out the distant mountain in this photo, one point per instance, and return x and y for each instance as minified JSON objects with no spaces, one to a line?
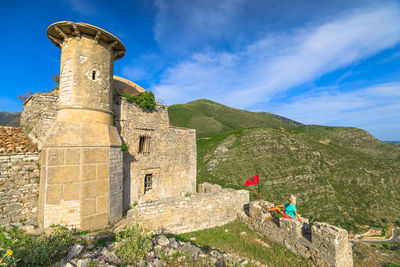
{"x":209,"y":117}
{"x":9,"y":119}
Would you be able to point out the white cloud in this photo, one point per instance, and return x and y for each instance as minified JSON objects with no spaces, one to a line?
{"x":278,"y":62}
{"x":182,"y":24}
{"x":83,"y":7}
{"x":374,"y":108}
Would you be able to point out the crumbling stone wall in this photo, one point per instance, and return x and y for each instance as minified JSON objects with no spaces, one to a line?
{"x":190,"y":213}
{"x":171,"y":161}
{"x":326,"y":244}
{"x":171,"y":158}
{"x":19,"y":188}
{"x":39,"y":113}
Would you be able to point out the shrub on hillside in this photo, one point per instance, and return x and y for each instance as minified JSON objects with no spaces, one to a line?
{"x":134,"y":244}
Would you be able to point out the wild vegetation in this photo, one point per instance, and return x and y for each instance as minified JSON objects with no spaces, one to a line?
{"x":145,"y":100}
{"x":348,"y":185}
{"x":233,"y":244}
{"x":209,"y":117}
{"x":19,"y":249}
{"x":236,"y":238}
{"x":341,"y":175}
{"x":134,"y":244}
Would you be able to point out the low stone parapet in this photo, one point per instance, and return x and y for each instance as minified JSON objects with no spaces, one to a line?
{"x":326,"y":244}
{"x":191,"y":213}
{"x":208,"y":188}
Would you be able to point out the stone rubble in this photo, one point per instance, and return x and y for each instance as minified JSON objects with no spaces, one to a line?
{"x":164,"y":251}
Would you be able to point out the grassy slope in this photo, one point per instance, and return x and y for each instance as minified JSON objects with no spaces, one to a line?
{"x":349,"y":180}
{"x":208,"y":117}
{"x":395,"y":144}
{"x":229,"y":238}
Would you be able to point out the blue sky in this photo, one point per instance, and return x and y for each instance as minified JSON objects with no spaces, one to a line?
{"x":318,"y":62}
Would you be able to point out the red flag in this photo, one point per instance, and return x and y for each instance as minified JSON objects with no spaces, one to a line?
{"x":252,"y":180}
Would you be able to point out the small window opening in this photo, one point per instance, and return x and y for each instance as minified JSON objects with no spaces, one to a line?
{"x":144,"y":144}
{"x":94,"y":75}
{"x":148,"y":182}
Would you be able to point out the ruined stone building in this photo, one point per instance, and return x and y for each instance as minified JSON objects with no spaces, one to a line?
{"x":74,"y":171}
{"x":85,"y":179}
{"x":92,"y":155}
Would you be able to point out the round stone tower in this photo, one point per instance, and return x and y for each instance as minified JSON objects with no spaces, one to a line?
{"x":81,"y":176}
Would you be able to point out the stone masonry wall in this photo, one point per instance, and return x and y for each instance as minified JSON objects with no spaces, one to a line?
{"x":191,"y":213}
{"x":39,"y":113}
{"x":19,"y":188}
{"x":116,"y":183}
{"x":326,"y":244}
{"x":171,"y":157}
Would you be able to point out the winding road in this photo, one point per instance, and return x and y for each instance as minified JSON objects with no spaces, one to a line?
{"x":395,"y":238}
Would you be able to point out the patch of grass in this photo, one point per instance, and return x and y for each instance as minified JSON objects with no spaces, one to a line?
{"x":209,"y":117}
{"x":84,"y":232}
{"x":244,"y":245}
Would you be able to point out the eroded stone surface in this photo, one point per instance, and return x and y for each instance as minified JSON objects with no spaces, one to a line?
{"x":326,"y":244}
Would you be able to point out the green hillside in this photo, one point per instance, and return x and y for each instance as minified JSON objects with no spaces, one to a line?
{"x":343,"y":176}
{"x":209,"y":117}
{"x":395,"y":144}
{"x":9,"y":119}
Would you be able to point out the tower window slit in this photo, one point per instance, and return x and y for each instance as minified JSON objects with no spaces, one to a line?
{"x":94,"y":75}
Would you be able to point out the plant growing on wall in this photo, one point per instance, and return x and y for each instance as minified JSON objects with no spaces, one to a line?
{"x":145,"y":100}
{"x":124,"y":147}
{"x":24,"y":97}
{"x":56,"y":79}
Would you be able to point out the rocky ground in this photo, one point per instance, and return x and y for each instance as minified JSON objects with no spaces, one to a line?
{"x":164,"y":252}
{"x":376,"y":255}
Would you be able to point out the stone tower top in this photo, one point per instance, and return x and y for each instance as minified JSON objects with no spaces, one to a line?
{"x":86,"y":71}
{"x":59,"y":32}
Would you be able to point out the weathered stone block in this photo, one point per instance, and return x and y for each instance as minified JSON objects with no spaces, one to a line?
{"x":95,"y":222}
{"x":72,"y":156}
{"x":259,"y":213}
{"x":89,"y":189}
{"x":208,"y":188}
{"x":55,"y":156}
{"x":12,"y":207}
{"x":102,"y":187}
{"x":95,"y":155}
{"x":63,"y":174}
{"x":88,"y":206}
{"x":89,"y":172}
{"x":14,"y":193}
{"x":102,"y":204}
{"x":54,"y":194}
{"x":71,"y":192}
{"x":102,"y":171}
